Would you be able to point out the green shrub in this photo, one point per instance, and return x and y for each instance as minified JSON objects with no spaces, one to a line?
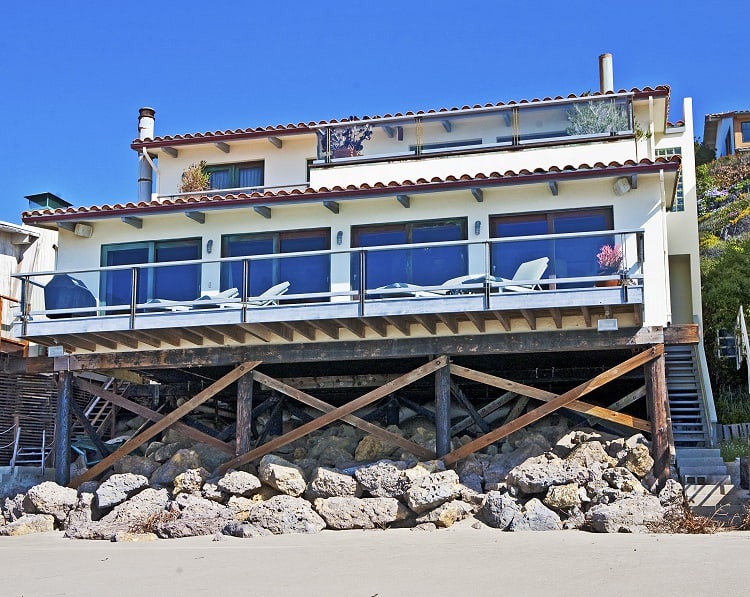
{"x":734,"y":448}
{"x":732,"y":406}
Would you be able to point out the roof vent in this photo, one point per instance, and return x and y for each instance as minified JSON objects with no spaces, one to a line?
{"x":46,"y":201}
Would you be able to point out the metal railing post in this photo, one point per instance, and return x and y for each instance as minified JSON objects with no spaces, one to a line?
{"x":245,"y":286}
{"x":133,"y":295}
{"x":362,"y":276}
{"x":24,"y":304}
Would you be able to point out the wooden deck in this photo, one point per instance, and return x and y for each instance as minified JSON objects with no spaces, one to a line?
{"x":400,"y":317}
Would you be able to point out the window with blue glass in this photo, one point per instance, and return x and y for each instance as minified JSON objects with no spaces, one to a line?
{"x":177,"y":283}
{"x":569,"y":257}
{"x":424,"y":266}
{"x":745,"y":129}
{"x":236,"y":176}
{"x":305,"y":273}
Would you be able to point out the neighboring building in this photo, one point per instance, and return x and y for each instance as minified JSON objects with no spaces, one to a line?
{"x":728,"y":133}
{"x":374,"y":226}
{"x":22,"y":249}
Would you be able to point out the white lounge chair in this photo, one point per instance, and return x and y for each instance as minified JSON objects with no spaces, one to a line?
{"x":270,"y":296}
{"x":529,"y":273}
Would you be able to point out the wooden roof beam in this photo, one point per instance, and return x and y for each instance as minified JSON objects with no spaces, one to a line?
{"x":276,"y":142}
{"x":196,"y":216}
{"x":222,"y":146}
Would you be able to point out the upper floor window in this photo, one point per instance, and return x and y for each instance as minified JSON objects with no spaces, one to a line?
{"x":236,"y":176}
{"x":425,"y":266}
{"x":177,"y":283}
{"x":745,"y":129}
{"x":306,"y":274}
{"x":679,"y":199}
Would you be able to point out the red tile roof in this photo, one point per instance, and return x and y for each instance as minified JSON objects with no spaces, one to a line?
{"x":420,"y":185}
{"x":309,"y":127}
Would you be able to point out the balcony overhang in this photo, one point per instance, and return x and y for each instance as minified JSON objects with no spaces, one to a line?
{"x":296,"y":196}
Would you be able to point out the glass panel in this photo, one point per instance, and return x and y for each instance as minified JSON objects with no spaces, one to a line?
{"x":180,"y":282}
{"x":576,"y":257}
{"x":261,"y":271}
{"x":544,"y":122}
{"x":432,"y":266}
{"x":383,"y":267}
{"x":306,"y":274}
{"x":598,"y":117}
{"x":116,"y":286}
{"x":507,"y":257}
{"x":220,"y":179}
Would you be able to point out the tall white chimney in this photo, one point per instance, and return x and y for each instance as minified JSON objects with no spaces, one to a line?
{"x":606,"y":75}
{"x":145,"y":172}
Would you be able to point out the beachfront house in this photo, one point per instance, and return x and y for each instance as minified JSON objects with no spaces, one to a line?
{"x":478,"y":243}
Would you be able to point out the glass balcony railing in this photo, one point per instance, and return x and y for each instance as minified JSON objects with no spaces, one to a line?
{"x":529,"y":264}
{"x":508,"y":126}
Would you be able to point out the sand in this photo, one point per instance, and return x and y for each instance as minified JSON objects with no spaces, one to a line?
{"x":457,"y":561}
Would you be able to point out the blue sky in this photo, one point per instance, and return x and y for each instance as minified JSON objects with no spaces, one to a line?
{"x":75,"y":73}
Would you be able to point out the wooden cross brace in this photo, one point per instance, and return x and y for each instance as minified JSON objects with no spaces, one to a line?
{"x":336,"y":413}
{"x":164,"y":422}
{"x":553,"y":402}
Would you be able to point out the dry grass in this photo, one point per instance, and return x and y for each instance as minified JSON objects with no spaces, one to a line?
{"x":682,"y":520}
{"x":154,"y":521}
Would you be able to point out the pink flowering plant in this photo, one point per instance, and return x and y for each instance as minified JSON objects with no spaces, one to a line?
{"x":610,"y":259}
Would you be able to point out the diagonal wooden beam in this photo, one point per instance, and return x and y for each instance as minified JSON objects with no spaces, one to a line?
{"x":623,"y":402}
{"x":353,"y":420}
{"x":337,"y":413}
{"x":483,"y":412}
{"x":466,"y":403}
{"x":152,"y":415}
{"x":577,"y":406}
{"x":556,"y":403}
{"x":168,"y":420}
{"x":88,"y":427}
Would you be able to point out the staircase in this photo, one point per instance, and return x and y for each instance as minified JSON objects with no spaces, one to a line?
{"x":686,"y":401}
{"x":99,"y":412}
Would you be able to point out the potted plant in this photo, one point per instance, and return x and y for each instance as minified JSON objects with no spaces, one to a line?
{"x":346,"y":141}
{"x":609,"y":258}
{"x":195,"y":178}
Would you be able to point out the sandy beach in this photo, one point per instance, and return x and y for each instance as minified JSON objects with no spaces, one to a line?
{"x":456,"y":561}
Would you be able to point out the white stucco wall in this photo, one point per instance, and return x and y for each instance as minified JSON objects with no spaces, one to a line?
{"x":640,"y":208}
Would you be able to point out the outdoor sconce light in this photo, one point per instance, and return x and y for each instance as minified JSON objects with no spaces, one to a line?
{"x":209,"y":246}
{"x":477,"y":228}
{"x":339,"y":237}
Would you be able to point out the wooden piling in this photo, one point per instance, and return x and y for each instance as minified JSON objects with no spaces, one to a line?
{"x":656,"y":397}
{"x":442,"y":410}
{"x":62,"y":427}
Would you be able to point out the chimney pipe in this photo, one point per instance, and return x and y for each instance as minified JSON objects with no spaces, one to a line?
{"x":145,"y":172}
{"x":606,"y":75}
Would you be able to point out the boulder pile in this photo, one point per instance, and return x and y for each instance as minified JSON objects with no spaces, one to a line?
{"x":541,"y":478}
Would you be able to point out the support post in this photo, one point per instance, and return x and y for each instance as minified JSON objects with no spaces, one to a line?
{"x":442,"y":410}
{"x":656,"y":396}
{"x":392,"y":411}
{"x":244,"y":413}
{"x":62,"y":441}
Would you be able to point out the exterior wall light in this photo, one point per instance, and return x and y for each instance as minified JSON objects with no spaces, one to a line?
{"x":209,"y":246}
{"x":339,"y":237}
{"x":477,"y":228}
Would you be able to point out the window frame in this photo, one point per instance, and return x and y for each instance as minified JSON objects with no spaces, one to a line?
{"x":277,"y":239}
{"x":408,"y":227}
{"x":147,"y":276}
{"x":549,"y":218}
{"x":745,"y":131}
{"x":234,"y":173}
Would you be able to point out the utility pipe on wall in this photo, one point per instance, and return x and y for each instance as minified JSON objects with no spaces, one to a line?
{"x":145,"y":170}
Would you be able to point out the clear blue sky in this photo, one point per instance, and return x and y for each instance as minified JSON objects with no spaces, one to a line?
{"x":75,"y":73}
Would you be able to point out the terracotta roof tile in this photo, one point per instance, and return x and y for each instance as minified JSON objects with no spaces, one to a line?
{"x":282,"y":196}
{"x":309,"y":127}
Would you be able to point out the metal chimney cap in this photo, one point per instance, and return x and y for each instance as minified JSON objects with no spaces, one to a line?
{"x":146,"y":112}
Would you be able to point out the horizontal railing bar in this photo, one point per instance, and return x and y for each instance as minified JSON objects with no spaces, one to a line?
{"x":469,"y":111}
{"x":354,"y":250}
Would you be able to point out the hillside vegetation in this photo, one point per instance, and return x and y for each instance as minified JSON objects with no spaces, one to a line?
{"x":723,"y":188}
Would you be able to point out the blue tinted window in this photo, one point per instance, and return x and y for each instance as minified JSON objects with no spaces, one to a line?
{"x":173,"y":283}
{"x":306,"y":274}
{"x":425,"y":266}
